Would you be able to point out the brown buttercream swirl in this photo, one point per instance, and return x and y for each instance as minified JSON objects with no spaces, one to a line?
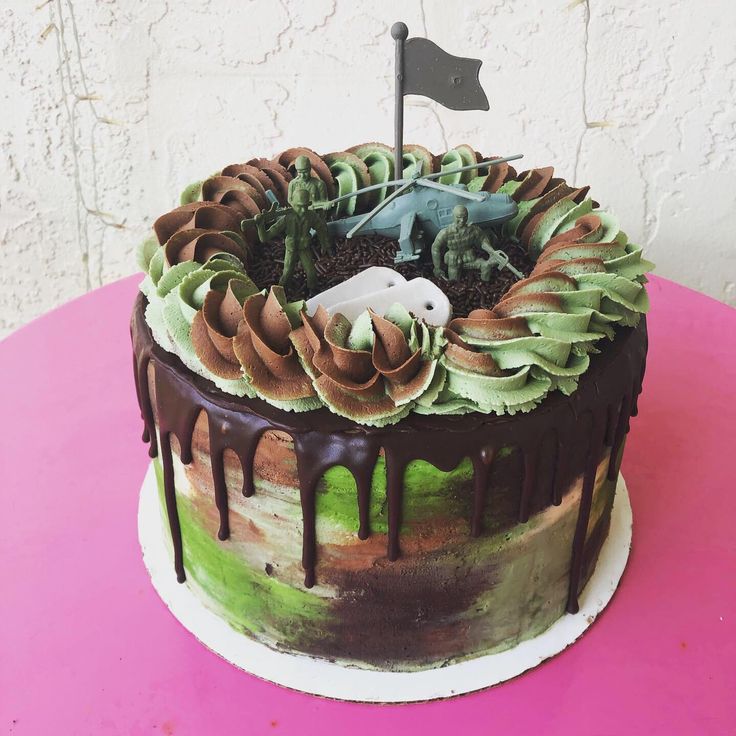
{"x":196,"y":215}
{"x":264,"y":351}
{"x":486,"y":324}
{"x":369,"y":382}
{"x":319,"y":167}
{"x":200,"y":245}
{"x":214,"y":329}
{"x":461,"y":355}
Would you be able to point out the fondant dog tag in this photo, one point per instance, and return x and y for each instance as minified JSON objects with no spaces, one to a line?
{"x":373,"y":279}
{"x":419,"y":296}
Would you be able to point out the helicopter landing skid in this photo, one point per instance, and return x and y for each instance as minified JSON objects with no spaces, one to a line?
{"x":402,"y":257}
{"x":407,"y":250}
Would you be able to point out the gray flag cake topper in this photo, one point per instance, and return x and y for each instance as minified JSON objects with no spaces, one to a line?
{"x":450,"y":80}
{"x":423,"y":68}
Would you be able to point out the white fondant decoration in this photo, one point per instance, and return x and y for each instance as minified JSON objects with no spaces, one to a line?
{"x":378,"y":287}
{"x":342,"y":682}
{"x":421,"y":297}
{"x":375,"y":278}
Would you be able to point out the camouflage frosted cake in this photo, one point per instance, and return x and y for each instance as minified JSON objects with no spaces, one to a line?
{"x":369,"y":484}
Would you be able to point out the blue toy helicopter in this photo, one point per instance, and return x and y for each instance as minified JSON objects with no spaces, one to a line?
{"x":424,"y":209}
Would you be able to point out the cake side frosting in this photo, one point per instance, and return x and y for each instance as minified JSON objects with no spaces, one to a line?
{"x":571,"y":433}
{"x":449,"y":598}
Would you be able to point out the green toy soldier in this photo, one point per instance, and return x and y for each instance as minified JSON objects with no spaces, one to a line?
{"x":296,"y":224}
{"x":304,"y":180}
{"x":463,"y":242}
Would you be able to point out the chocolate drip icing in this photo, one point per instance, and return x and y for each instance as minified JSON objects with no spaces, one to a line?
{"x":559,"y":470}
{"x":171,"y":510}
{"x":315,"y":457}
{"x":531,"y":458}
{"x":395,"y":467}
{"x":606,"y":396}
{"x":175,"y":416}
{"x":586,"y":501}
{"x":141,"y":359}
{"x":230,"y":430}
{"x":622,"y":427}
{"x":217,"y":460}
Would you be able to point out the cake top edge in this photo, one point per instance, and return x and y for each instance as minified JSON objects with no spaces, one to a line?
{"x":536,"y":273}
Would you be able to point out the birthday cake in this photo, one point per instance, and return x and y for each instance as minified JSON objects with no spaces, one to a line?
{"x":387,"y":425}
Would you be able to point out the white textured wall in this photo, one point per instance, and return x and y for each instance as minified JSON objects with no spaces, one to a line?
{"x":108,"y":109}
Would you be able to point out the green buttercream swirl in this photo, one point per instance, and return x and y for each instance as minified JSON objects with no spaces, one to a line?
{"x":175,"y":294}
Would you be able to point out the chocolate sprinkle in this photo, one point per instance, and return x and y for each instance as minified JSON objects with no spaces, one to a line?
{"x":349,"y":257}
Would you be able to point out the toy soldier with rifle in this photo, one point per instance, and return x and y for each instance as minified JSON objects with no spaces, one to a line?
{"x":304,"y":180}
{"x":296,"y":223}
{"x":462,"y":241}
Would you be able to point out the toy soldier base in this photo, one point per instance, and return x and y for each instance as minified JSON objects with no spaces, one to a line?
{"x":296,"y":224}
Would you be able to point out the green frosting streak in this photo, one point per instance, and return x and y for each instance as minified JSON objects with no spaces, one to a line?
{"x":432,"y":392}
{"x":177,"y":299}
{"x":156,"y":266}
{"x":631,"y":265}
{"x":568,"y":221}
{"x":451,"y":160}
{"x":609,"y":224}
{"x":360,"y":336}
{"x":381,"y":169}
{"x":520,"y":391}
{"x":549,"y":224}
{"x":379,"y":160}
{"x":509,"y":187}
{"x":412,"y":164}
{"x":428,"y":493}
{"x":454,"y":159}
{"x":174,"y":276}
{"x":246,"y":596}
{"x":145,"y":252}
{"x":510,"y":227}
{"x":399,"y":315}
{"x":192,"y":193}
{"x":347,"y":182}
{"x":573,"y":328}
{"x":383,"y":417}
{"x":554,"y":356}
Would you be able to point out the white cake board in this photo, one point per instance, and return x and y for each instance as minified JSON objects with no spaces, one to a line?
{"x":332,"y":680}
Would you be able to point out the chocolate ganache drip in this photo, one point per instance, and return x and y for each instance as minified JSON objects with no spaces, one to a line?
{"x":596,"y":416}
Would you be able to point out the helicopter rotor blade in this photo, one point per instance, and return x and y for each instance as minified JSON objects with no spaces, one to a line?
{"x":480,"y":165}
{"x":391,"y":197}
{"x":453,"y":190}
{"x":370,"y":188}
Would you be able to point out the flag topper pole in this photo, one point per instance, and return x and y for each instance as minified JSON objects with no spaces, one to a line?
{"x":399,"y":32}
{"x":423,"y":68}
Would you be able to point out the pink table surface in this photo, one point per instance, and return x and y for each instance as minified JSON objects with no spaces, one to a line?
{"x":86,"y":645}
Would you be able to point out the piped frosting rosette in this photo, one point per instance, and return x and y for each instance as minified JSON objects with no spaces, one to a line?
{"x":187,"y":298}
{"x":266,"y":355}
{"x":373,"y":370}
{"x":572,"y":236}
{"x":476,"y":381}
